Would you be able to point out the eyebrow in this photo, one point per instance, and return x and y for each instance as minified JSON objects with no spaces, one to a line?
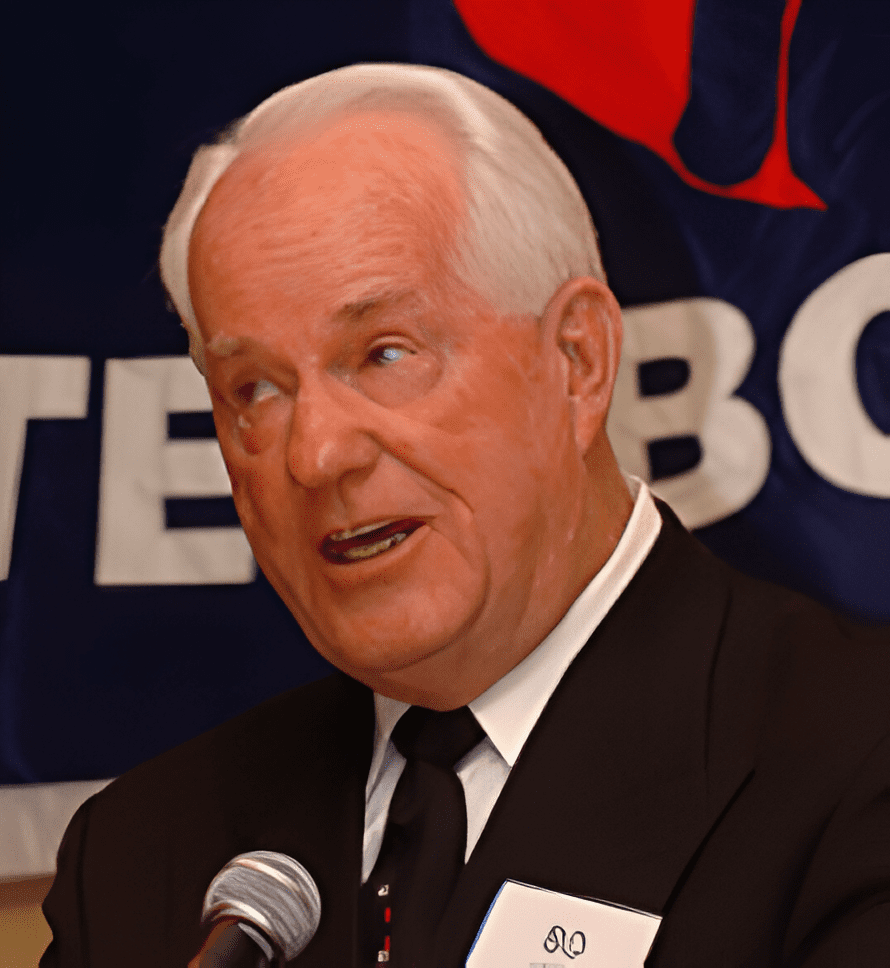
{"x":354,"y":311}
{"x":223,"y":346}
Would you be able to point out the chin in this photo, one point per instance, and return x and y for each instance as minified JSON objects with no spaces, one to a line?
{"x":364,"y":656}
{"x":391,"y":658}
{"x":405,"y":627}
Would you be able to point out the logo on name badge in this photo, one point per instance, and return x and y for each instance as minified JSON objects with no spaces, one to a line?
{"x":542,"y":928}
{"x":558,"y":940}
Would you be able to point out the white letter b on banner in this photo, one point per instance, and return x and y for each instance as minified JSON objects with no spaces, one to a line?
{"x":716,"y":340}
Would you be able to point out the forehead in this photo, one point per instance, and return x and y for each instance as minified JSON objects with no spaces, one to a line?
{"x":344,"y":205}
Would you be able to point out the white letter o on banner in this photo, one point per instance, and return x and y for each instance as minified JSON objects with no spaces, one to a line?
{"x":817,"y":379}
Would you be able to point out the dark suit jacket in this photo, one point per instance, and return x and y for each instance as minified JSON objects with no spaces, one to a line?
{"x":719,"y":753}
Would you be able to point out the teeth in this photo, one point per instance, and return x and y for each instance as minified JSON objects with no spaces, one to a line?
{"x":355,"y":532}
{"x":368,"y":551}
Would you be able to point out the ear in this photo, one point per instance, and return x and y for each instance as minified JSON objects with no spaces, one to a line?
{"x":585,"y":320}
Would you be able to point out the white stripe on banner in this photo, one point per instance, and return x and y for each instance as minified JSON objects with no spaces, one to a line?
{"x":33,"y":818}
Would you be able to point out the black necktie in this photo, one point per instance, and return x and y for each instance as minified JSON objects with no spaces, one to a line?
{"x":425,"y":839}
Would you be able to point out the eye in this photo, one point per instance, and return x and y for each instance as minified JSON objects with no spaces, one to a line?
{"x":396,"y":370}
{"x":255,"y":391}
{"x":384,"y":355}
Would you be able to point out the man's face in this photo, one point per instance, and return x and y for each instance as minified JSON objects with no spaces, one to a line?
{"x":401,"y":455}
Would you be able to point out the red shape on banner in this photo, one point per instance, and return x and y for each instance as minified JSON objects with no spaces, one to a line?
{"x":628,"y":66}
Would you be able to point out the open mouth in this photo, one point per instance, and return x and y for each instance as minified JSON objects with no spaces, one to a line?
{"x":359,"y":544}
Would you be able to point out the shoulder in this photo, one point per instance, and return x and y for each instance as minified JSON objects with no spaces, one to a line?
{"x":301,"y":727}
{"x":145,"y":848}
{"x":814,"y":675}
{"x":787,"y":677}
{"x":792,"y":699}
{"x":243,"y":783}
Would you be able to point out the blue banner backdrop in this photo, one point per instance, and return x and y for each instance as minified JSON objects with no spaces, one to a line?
{"x":755,"y":390}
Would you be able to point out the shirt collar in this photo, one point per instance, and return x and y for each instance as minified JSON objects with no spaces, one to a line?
{"x":509,"y":709}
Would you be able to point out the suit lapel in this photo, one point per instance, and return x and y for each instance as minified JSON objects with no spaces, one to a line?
{"x":610,"y":798}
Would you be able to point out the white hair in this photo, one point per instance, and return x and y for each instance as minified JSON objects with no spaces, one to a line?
{"x":526,"y":229}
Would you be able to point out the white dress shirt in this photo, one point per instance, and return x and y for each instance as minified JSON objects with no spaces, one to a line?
{"x":509,"y":709}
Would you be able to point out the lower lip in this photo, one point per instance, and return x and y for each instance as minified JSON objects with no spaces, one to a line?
{"x":389,"y":550}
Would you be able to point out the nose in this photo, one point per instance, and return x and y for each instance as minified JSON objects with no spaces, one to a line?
{"x":330,"y":435}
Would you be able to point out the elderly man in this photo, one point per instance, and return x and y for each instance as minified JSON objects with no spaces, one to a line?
{"x":393,"y":288}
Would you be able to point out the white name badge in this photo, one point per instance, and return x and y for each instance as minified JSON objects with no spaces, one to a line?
{"x":533,"y":927}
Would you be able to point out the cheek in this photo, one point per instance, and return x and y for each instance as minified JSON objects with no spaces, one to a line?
{"x":402,"y":382}
{"x":251,"y":438}
{"x":516,"y":473}
{"x":251,"y":431}
{"x":263,"y":432}
{"x":254,"y":483}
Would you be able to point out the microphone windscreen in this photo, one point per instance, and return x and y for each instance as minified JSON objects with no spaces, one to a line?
{"x":270,"y":891}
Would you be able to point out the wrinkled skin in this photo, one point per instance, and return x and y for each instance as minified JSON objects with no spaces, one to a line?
{"x":355,"y":381}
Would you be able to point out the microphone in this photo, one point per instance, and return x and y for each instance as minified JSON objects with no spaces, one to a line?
{"x":276,"y":905}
